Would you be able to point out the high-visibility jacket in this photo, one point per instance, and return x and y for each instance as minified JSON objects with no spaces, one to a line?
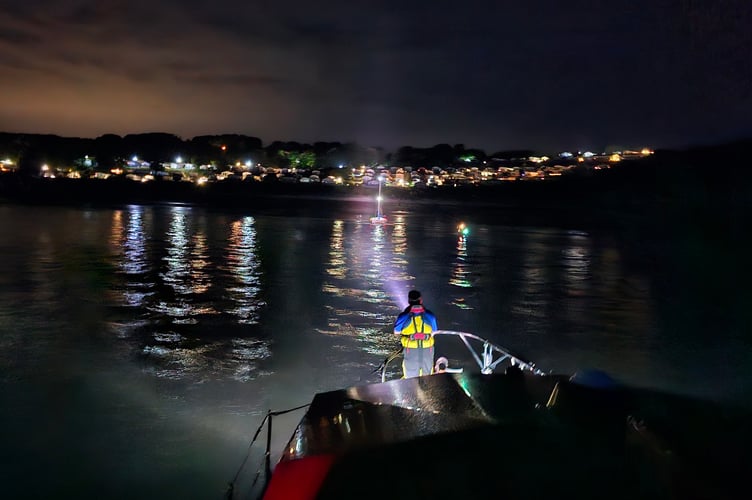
{"x":415,"y":325}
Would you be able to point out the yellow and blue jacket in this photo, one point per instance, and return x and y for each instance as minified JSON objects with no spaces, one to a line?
{"x":414,"y":325}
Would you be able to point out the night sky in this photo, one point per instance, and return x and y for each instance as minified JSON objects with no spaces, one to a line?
{"x":541,"y":74}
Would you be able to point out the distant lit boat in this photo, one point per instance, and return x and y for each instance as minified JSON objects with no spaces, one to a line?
{"x":379,"y":218}
{"x":511,"y":429}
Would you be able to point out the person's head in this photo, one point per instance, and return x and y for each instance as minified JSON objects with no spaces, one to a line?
{"x":413,"y":298}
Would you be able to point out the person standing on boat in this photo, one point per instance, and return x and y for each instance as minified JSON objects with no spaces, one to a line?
{"x":414,"y":326}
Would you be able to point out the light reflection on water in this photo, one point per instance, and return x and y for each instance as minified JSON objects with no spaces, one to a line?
{"x":461,"y":268}
{"x":244,"y":266}
{"x":179,"y":281}
{"x":367,"y":280}
{"x":181,"y":326}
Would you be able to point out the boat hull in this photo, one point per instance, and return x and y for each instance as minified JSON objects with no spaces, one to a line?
{"x":520,"y":435}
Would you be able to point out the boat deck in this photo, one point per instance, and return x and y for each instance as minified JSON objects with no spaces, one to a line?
{"x":488,"y":436}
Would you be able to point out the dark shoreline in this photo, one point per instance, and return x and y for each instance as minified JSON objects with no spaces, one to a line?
{"x":574,"y":204}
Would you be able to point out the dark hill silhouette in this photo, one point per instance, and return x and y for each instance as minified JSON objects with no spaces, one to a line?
{"x":703,"y":185}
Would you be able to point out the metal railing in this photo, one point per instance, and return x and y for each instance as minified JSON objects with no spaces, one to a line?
{"x":488,"y":357}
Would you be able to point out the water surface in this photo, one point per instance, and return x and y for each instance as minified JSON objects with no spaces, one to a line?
{"x":140,"y":346}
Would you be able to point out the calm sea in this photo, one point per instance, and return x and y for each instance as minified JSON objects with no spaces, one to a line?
{"x":140,"y":346}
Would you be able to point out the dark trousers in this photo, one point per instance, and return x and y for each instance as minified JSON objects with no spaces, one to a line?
{"x":417,"y":361}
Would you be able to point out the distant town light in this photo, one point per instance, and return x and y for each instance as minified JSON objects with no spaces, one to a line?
{"x":135,"y":158}
{"x":178,"y":160}
{"x":248,"y":163}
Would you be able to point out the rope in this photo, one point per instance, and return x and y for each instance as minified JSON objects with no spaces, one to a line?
{"x":268,"y":416}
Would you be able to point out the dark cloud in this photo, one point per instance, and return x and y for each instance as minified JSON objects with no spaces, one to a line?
{"x":540,"y":74}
